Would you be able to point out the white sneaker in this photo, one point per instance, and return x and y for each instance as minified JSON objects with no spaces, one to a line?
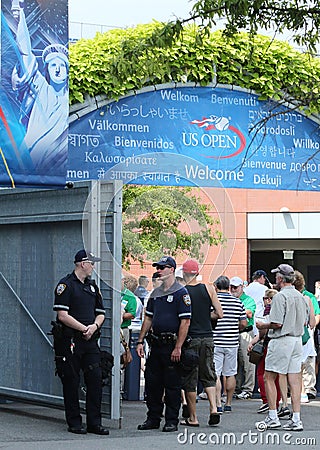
{"x":304,"y":398}
{"x":267,"y":424}
{"x":203,"y":396}
{"x":293,"y":426}
{"x":244,"y":395}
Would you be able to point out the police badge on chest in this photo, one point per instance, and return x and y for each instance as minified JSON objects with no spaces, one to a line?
{"x":170,"y":298}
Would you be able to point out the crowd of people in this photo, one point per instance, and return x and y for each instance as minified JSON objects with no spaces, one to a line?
{"x":194,"y":337}
{"x":227,"y":319}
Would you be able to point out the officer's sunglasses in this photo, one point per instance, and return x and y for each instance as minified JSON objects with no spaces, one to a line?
{"x":162,"y":267}
{"x":90,"y":262}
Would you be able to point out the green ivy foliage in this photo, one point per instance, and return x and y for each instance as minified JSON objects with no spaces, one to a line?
{"x":121,"y":60}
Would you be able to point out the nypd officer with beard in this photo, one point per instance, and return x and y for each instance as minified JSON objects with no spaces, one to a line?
{"x":168,"y":314}
{"x":80,"y":314}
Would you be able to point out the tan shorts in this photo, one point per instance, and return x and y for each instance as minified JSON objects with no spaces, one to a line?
{"x":284,"y":355}
{"x":205,"y":371}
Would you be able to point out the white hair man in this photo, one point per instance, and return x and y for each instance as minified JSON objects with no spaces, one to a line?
{"x":288,"y":316}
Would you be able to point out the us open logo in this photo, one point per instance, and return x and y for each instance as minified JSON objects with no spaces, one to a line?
{"x":224,"y":137}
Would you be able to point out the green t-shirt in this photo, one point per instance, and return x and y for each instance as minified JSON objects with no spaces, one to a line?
{"x":128,"y":299}
{"x":249,"y":303}
{"x":314,"y":301}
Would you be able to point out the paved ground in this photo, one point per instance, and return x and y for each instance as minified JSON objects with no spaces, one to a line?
{"x":30,"y":427}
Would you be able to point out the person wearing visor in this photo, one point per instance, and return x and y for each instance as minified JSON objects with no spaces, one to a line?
{"x":80,"y":315}
{"x":167,"y":314}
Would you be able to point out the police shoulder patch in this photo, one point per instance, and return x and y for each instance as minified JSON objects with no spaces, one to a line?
{"x":186,"y":299}
{"x":61,"y":288}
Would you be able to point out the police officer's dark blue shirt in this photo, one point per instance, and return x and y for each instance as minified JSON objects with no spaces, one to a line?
{"x":82,"y":301}
{"x":168,"y":308}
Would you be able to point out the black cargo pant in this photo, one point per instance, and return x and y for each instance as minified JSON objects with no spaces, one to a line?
{"x":85,"y":357}
{"x":162,"y":380}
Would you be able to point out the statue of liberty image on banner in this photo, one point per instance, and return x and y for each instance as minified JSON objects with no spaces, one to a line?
{"x":34,"y":92}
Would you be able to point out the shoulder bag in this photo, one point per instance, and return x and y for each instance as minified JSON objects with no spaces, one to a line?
{"x":256,"y":353}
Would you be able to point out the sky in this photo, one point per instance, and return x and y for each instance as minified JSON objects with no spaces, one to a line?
{"x":86,"y":17}
{"x":121,"y":13}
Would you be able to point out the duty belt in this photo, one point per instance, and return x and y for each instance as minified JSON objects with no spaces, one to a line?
{"x":162,"y":338}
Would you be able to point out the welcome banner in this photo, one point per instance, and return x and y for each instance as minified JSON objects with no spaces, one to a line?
{"x":200,"y":136}
{"x":34,"y":100}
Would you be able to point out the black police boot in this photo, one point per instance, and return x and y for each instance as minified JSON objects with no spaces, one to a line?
{"x":77,"y":430}
{"x":98,"y":430}
{"x":170,"y":427}
{"x":148,"y":425}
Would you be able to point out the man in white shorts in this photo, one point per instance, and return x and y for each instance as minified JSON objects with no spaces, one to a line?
{"x":287,"y":318}
{"x":226,"y":340}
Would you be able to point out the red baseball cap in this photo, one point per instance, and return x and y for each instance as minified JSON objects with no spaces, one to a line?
{"x":191,"y":266}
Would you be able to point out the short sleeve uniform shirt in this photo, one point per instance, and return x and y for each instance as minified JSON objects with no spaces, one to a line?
{"x":82,"y":301}
{"x":168,"y":308}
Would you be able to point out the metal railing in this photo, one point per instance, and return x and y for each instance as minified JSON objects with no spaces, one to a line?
{"x":79,"y":30}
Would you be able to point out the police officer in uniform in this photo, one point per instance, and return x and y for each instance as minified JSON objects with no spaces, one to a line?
{"x":80,"y":315}
{"x":168,"y":314}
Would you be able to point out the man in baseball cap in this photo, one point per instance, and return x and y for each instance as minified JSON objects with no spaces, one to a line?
{"x":80,"y":314}
{"x":205,"y":306}
{"x":167,"y":314}
{"x":285,"y":328}
{"x":284,"y":269}
{"x":256,"y":290}
{"x":165,"y":261}
{"x":84,"y":255}
{"x":191,"y":267}
{"x":236,"y":281}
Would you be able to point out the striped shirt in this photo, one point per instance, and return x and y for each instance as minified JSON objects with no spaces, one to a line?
{"x":226,"y":333}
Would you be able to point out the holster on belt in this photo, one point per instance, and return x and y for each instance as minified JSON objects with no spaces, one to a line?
{"x":161,"y":338}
